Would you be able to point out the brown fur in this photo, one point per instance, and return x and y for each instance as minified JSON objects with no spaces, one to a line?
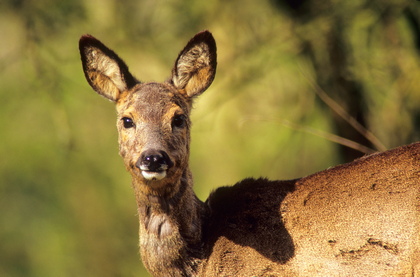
{"x":357,"y":219}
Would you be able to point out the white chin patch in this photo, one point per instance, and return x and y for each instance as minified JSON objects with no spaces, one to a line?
{"x":153,"y":175}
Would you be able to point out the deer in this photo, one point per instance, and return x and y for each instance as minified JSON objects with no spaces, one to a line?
{"x":354,"y":219}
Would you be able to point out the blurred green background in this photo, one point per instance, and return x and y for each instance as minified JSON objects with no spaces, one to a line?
{"x":66,"y":205}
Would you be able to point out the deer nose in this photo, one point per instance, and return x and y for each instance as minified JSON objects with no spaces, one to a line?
{"x":154,"y":161}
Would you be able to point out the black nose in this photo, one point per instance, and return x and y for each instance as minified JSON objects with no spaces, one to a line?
{"x":154,"y":160}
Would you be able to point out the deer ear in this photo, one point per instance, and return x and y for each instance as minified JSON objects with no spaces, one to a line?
{"x":106,"y":73}
{"x":195,"y":66}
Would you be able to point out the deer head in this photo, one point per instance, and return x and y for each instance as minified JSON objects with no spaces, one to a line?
{"x":153,"y":118}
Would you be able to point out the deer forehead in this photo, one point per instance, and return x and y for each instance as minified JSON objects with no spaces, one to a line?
{"x":152,"y":102}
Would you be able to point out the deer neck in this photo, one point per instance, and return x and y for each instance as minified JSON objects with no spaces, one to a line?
{"x":170,"y":228}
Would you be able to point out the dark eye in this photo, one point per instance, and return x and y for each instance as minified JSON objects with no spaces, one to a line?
{"x":178,"y":121}
{"x":127,"y":122}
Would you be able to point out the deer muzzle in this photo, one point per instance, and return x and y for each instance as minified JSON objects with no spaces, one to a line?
{"x":154,"y":164}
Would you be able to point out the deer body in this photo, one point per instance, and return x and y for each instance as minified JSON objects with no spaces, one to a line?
{"x":357,"y":219}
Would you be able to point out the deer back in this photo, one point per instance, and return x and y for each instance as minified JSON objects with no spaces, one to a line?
{"x":356,"y":219}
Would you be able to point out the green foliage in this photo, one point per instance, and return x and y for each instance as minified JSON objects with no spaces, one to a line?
{"x":66,"y":201}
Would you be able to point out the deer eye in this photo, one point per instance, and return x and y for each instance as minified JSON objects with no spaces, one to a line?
{"x":178,"y":121}
{"x":127,"y":122}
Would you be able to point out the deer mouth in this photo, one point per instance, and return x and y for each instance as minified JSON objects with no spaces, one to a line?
{"x":153,"y":175}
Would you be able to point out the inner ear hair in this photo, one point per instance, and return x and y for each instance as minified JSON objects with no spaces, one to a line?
{"x":195,"y":66}
{"x":104,"y":70}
